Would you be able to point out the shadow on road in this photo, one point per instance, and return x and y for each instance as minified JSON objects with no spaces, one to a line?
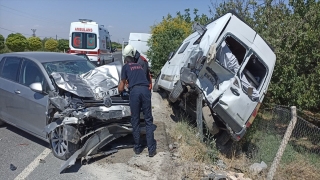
{"x":26,"y":135}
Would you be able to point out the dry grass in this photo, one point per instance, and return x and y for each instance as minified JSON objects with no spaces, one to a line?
{"x":190,"y":147}
{"x":298,"y":169}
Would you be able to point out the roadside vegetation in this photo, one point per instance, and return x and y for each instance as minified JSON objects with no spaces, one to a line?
{"x":260,"y":144}
{"x":16,"y":42}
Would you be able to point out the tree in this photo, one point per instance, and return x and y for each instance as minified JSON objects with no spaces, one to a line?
{"x":51,"y":44}
{"x":63,"y":44}
{"x":16,"y":42}
{"x":34,"y":43}
{"x":2,"y":42}
{"x":169,"y":34}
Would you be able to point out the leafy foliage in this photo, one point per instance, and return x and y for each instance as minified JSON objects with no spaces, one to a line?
{"x":51,"y":45}
{"x":63,"y":44}
{"x":169,"y":34}
{"x":16,"y":42}
{"x":2,"y":40}
{"x":34,"y":43}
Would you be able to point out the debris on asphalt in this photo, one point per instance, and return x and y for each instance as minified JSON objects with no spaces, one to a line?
{"x":256,"y":168}
{"x":13,"y":167}
{"x":170,"y":146}
{"x":216,"y":176}
{"x":42,"y":161}
{"x":24,"y":144}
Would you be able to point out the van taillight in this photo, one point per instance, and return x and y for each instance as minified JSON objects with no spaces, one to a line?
{"x":253,"y":115}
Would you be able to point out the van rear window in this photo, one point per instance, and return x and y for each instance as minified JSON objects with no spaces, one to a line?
{"x":82,"y":40}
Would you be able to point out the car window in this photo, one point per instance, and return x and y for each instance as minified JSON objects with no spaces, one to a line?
{"x":10,"y":68}
{"x":1,"y":64}
{"x":31,"y":73}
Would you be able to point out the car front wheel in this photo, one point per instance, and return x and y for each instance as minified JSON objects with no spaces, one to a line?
{"x":61,"y":148}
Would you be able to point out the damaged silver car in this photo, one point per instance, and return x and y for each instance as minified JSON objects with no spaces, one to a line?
{"x":65,"y":100}
{"x":229,"y":66}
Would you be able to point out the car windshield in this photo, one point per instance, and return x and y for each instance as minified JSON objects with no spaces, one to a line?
{"x":73,"y":67}
{"x":82,"y":55}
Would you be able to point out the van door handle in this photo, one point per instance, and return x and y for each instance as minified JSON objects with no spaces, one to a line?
{"x":17,"y":92}
{"x":235,"y":91}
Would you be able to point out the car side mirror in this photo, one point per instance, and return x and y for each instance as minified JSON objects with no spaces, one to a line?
{"x":36,"y":87}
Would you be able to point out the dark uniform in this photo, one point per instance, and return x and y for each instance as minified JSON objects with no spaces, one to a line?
{"x":138,"y":58}
{"x":140,"y":98}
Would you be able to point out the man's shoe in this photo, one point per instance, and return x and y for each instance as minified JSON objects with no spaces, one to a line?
{"x":137,"y":151}
{"x":153,"y":153}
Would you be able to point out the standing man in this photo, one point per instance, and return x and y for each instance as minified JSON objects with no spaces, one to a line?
{"x":129,"y":50}
{"x":140,"y":98}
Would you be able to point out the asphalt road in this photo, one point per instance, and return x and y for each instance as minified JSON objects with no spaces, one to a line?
{"x":32,"y":158}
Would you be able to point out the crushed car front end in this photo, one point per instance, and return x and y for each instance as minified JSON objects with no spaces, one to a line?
{"x":86,"y":113}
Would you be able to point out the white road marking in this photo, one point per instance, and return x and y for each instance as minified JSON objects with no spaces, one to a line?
{"x":25,"y":173}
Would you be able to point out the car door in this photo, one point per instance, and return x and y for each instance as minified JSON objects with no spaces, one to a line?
{"x":8,"y":83}
{"x":31,"y":106}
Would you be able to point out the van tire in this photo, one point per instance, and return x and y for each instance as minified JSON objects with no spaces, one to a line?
{"x":223,"y":138}
{"x":209,"y":121}
{"x":155,"y":85}
{"x":176,"y":92}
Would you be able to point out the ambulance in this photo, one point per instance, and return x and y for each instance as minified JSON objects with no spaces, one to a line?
{"x":90,"y":38}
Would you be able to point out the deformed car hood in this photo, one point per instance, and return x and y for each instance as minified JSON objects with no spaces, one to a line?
{"x":92,"y":84}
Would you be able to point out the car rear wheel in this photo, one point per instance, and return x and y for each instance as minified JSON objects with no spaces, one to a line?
{"x":61,"y":148}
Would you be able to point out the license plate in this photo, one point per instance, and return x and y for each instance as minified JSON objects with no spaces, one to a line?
{"x":113,"y":92}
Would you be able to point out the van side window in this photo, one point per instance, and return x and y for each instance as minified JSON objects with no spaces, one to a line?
{"x":10,"y":68}
{"x":107,"y":43}
{"x":231,"y":49}
{"x":183,"y":47}
{"x":254,"y":71}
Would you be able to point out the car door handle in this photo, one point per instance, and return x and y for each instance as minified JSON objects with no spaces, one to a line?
{"x":235,"y":91}
{"x":17,"y":92}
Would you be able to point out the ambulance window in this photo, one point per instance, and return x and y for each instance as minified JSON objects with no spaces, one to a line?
{"x":91,"y":41}
{"x":77,"y":40}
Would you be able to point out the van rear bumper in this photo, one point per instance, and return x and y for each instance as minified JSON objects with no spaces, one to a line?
{"x":236,"y":131}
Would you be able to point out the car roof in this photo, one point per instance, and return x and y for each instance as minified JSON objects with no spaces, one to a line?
{"x":44,"y":57}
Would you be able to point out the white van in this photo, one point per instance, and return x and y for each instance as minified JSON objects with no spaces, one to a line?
{"x":140,"y":42}
{"x":92,"y":39}
{"x":230,"y":65}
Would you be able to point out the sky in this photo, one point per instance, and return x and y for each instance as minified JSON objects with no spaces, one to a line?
{"x":53,"y":18}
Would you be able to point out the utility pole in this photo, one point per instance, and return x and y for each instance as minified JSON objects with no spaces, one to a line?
{"x":56,"y":37}
{"x":33,"y":32}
